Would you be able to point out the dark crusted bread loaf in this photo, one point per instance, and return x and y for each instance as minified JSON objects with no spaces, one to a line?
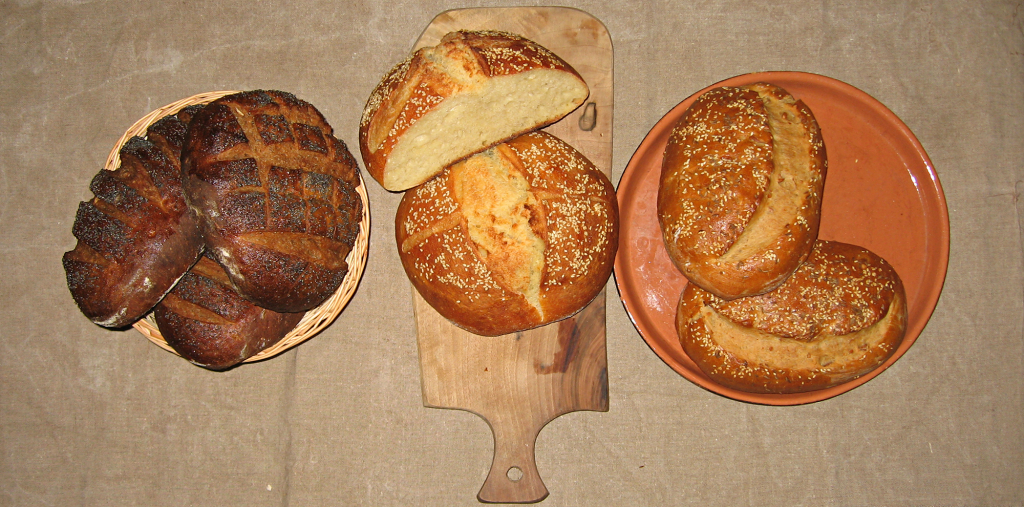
{"x":168,"y":133}
{"x":471,"y":91}
{"x":518,"y":236}
{"x":205,"y":320}
{"x":276,"y":197}
{"x":136,"y":236}
{"x":740,"y":192}
{"x":840,"y":315}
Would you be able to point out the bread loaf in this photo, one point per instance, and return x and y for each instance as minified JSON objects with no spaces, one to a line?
{"x":840,"y":315}
{"x":520,"y":235}
{"x":205,"y":320}
{"x":471,"y":91}
{"x":739,"y":199}
{"x":275,"y":194}
{"x":136,"y":236}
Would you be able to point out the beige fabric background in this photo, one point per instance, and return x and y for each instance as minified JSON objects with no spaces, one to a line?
{"x":93,"y":417}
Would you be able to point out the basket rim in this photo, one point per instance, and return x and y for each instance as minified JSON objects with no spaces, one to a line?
{"x":315,"y":320}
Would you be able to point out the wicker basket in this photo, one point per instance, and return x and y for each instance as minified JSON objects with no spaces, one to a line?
{"x":314,"y":320}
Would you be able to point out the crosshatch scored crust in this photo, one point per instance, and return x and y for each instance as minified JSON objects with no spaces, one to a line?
{"x":518,"y":236}
{"x":739,"y":198}
{"x":275,"y":193}
{"x":840,"y":315}
{"x":470,"y":91}
{"x":203,"y":318}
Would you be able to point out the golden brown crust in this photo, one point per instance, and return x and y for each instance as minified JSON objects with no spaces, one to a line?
{"x":490,"y":279}
{"x":740,"y":190}
{"x":208,"y":323}
{"x":136,"y":236}
{"x":461,"y":62}
{"x":839,"y":316}
{"x":275,"y":194}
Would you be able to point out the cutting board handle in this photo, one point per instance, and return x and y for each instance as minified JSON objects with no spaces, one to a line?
{"x":513,"y":477}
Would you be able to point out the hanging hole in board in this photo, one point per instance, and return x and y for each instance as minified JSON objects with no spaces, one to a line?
{"x":588,"y":120}
{"x":514,"y":474}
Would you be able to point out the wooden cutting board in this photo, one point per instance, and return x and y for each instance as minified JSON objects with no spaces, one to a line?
{"x":520,"y":382}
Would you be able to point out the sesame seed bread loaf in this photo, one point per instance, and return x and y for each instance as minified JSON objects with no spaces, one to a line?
{"x":136,"y":237}
{"x":275,"y":193}
{"x":840,"y":315}
{"x":739,"y":197}
{"x":471,"y":91}
{"x":518,"y":236}
{"x":205,"y":320}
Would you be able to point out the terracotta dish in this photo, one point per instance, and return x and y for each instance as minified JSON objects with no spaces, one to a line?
{"x":881,"y":193}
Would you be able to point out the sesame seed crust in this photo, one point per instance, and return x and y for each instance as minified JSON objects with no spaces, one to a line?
{"x":740,"y":190}
{"x":568,"y":205}
{"x":462,"y":62}
{"x":839,"y":316}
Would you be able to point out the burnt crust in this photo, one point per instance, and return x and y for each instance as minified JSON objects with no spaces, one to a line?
{"x":275,"y":194}
{"x":208,"y":323}
{"x":136,"y":236}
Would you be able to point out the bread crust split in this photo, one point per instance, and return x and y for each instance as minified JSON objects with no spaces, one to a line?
{"x":740,"y":190}
{"x":519,"y":236}
{"x":471,"y":91}
{"x":840,"y":315}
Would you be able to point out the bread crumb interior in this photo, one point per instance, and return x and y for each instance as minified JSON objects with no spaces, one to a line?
{"x":477,"y":118}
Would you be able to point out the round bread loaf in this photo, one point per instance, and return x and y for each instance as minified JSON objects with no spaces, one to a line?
{"x":518,"y":236}
{"x":740,"y":191}
{"x":206,"y":322}
{"x":840,"y":315}
{"x":446,"y":102}
{"x":275,"y":194}
{"x":136,"y":237}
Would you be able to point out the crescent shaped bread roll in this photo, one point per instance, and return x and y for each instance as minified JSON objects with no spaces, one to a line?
{"x":446,"y":102}
{"x":739,"y":197}
{"x":515,"y":237}
{"x":840,"y":315}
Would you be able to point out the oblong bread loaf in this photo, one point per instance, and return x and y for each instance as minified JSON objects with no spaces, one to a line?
{"x":136,"y":237}
{"x":208,"y":323}
{"x":840,"y":315}
{"x":471,"y":91}
{"x":739,"y":198}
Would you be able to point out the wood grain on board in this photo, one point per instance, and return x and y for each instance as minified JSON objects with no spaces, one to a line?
{"x":520,"y":382}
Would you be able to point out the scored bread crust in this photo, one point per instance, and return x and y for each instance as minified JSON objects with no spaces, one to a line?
{"x":739,"y":197}
{"x":275,"y":193}
{"x":136,"y":237}
{"x":521,"y":235}
{"x":208,"y":323}
{"x":839,"y":316}
{"x":471,"y":91}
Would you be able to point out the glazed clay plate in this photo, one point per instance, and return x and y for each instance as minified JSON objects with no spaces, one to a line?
{"x":881,"y":192}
